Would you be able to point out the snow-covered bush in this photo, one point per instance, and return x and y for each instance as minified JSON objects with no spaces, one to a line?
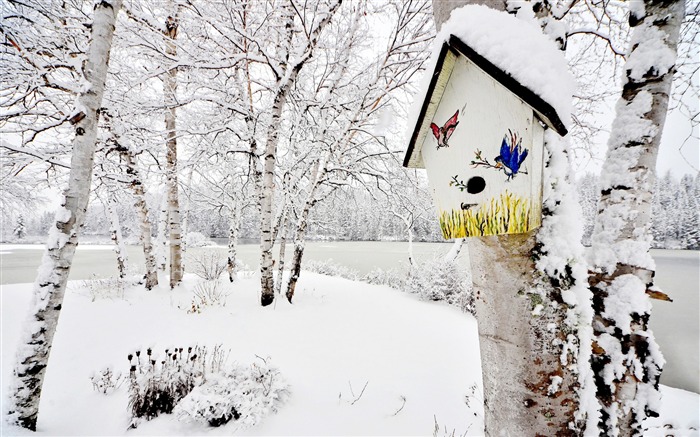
{"x":195,"y":239}
{"x":106,"y":288}
{"x":330,"y":268}
{"x":208,"y":293}
{"x":441,"y":280}
{"x":391,"y":278}
{"x":198,"y":385}
{"x":208,"y":264}
{"x":106,"y":382}
{"x":245,"y":394}
{"x":157,"y":385}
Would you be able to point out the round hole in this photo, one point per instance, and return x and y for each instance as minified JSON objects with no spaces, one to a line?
{"x":476,"y":185}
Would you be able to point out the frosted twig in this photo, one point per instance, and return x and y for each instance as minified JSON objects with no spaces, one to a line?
{"x":403,"y":398}
{"x":353,"y":393}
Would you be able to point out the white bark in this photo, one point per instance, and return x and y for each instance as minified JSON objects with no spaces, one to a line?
{"x":234,"y":227}
{"x":116,"y":237}
{"x":283,"y":248}
{"x":170,"y":95}
{"x":141,"y":207}
{"x":626,"y":357}
{"x":283,"y":88}
{"x":50,"y":285}
{"x":455,"y":250}
{"x":161,"y":237}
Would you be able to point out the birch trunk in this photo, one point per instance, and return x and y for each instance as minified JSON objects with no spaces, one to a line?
{"x":284,"y":86}
{"x":283,"y":248}
{"x":162,"y":237}
{"x":626,"y":357}
{"x":234,"y":228}
{"x":299,"y":245}
{"x":455,"y":250}
{"x":268,"y":186}
{"x":116,"y":237}
{"x":136,"y":185}
{"x":170,"y":94}
{"x":50,"y":284}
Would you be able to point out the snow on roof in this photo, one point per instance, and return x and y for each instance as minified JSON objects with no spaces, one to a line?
{"x":515,"y":46}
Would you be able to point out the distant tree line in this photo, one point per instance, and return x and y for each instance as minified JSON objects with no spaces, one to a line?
{"x":355,"y":215}
{"x":675,"y":210}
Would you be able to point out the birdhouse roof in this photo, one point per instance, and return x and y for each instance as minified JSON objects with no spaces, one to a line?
{"x":453,"y":48}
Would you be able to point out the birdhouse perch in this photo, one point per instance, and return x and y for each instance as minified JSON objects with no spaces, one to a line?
{"x":480,"y":137}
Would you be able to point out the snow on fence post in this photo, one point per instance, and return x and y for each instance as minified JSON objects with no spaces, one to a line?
{"x":50,"y":284}
{"x":496,"y":85}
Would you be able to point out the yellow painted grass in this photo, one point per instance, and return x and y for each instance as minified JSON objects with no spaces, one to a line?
{"x":507,"y":214}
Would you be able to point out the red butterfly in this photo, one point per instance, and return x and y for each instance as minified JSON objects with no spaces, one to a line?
{"x":442,"y":134}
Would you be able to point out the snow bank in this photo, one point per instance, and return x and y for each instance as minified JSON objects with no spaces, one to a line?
{"x":338,"y":336}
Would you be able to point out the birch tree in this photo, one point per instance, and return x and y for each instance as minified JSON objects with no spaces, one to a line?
{"x":50,"y":285}
{"x":170,"y":97}
{"x":345,"y":103}
{"x":626,"y":358}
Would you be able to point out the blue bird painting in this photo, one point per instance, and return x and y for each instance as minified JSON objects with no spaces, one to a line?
{"x":512,"y":155}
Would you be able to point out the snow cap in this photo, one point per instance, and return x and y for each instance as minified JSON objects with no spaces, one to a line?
{"x":527,"y":61}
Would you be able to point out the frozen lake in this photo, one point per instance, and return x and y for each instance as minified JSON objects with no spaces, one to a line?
{"x":675,"y":324}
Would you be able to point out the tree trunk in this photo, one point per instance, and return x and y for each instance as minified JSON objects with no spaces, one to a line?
{"x":162,"y":237}
{"x":234,"y":227}
{"x":455,"y":250}
{"x":116,"y":237}
{"x":284,"y":86}
{"x":170,"y":94}
{"x":627,"y":360}
{"x":268,"y":187}
{"x":136,"y":186}
{"x":299,"y":245}
{"x":528,"y":391}
{"x":50,"y":285}
{"x":283,"y":249}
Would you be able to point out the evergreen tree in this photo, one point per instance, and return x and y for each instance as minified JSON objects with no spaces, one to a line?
{"x":20,"y":230}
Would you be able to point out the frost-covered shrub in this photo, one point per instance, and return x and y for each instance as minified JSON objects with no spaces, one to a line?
{"x":208,"y":264}
{"x":195,"y":239}
{"x":198,"y":385}
{"x":107,"y":288}
{"x":441,"y":280}
{"x":391,"y":278}
{"x":156,"y":385}
{"x":245,"y":394}
{"x":208,"y":293}
{"x":106,"y":382}
{"x":330,"y":268}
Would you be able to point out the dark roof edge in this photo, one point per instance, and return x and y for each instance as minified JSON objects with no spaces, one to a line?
{"x":505,"y":79}
{"x":426,"y":102}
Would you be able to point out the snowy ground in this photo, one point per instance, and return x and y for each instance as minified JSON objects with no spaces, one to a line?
{"x":338,"y":333}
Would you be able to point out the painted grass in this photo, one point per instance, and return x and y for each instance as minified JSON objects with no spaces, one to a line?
{"x":507,"y":214}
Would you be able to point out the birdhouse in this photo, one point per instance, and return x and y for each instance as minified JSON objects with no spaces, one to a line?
{"x":480,"y":137}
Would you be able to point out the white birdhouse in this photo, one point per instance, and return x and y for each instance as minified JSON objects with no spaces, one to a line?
{"x":480,"y":136}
